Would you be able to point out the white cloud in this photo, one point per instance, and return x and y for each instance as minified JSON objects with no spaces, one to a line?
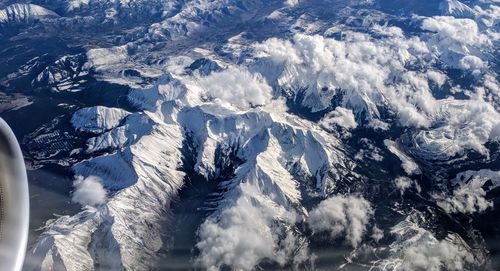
{"x":467,"y":198}
{"x":292,"y":3}
{"x":237,"y":87}
{"x":372,"y":73}
{"x":241,"y":239}
{"x":377,"y":234}
{"x":365,"y":68}
{"x":246,"y":234}
{"x":342,"y":216}
{"x":490,"y":85}
{"x":402,"y":183}
{"x":416,"y":249}
{"x":464,"y":124}
{"x":379,"y":125}
{"x":369,"y":151}
{"x":472,"y":63}
{"x":435,"y":256}
{"x":279,"y":51}
{"x":407,"y":163}
{"x":437,"y":77}
{"x":88,"y":191}
{"x":458,"y":42}
{"x":452,"y":32}
{"x":342,"y":117}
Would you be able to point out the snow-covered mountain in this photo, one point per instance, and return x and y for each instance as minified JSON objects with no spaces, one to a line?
{"x":366,"y":128}
{"x":24,"y":13}
{"x":456,"y":9}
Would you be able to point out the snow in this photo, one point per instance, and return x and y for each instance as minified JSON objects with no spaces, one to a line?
{"x":102,"y":235}
{"x":408,"y":164}
{"x":341,"y":117}
{"x":485,"y":174}
{"x":103,"y":58}
{"x":465,"y":125}
{"x":456,"y":9}
{"x":225,"y":91}
{"x":21,"y":13}
{"x":416,"y":248}
{"x":469,"y":193}
{"x":97,"y":119}
{"x":468,"y":198}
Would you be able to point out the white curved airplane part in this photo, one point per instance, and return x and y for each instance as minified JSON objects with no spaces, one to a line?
{"x":14,"y":202}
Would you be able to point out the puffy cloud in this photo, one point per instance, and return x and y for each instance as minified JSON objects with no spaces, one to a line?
{"x":437,"y":77}
{"x":365,"y":73}
{"x":377,"y":234}
{"x":435,"y":256}
{"x":467,"y":198}
{"x":407,"y":163}
{"x":471,"y":63}
{"x":279,"y":51}
{"x":402,"y":183}
{"x":292,"y":3}
{"x":342,"y":117}
{"x":416,"y":249}
{"x":342,"y":216}
{"x":237,"y":87}
{"x":379,"y":125}
{"x":464,"y":201}
{"x":464,"y":124}
{"x":365,"y":69}
{"x":241,"y":239}
{"x":246,"y":234}
{"x":369,"y":151}
{"x":458,"y":42}
{"x":462,"y":31}
{"x":88,"y":191}
{"x":490,"y":84}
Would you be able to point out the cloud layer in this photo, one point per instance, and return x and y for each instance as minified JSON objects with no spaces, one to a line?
{"x":386,"y":70}
{"x":246,"y":234}
{"x":342,"y":216}
{"x":414,"y":248}
{"x":89,"y":191}
{"x":340,"y":116}
{"x":435,"y":256}
{"x":466,"y":199}
{"x":236,"y":87}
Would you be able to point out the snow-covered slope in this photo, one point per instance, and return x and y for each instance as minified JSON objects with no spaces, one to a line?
{"x":125,"y":232}
{"x":97,"y":119}
{"x":24,"y":13}
{"x":418,"y":249}
{"x":303,"y":116}
{"x":456,"y":9}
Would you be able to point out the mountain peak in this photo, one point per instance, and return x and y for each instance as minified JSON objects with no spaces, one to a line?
{"x":456,"y":8}
{"x":23,"y":13}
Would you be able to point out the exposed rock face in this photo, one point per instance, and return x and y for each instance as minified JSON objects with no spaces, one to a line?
{"x":323,"y":124}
